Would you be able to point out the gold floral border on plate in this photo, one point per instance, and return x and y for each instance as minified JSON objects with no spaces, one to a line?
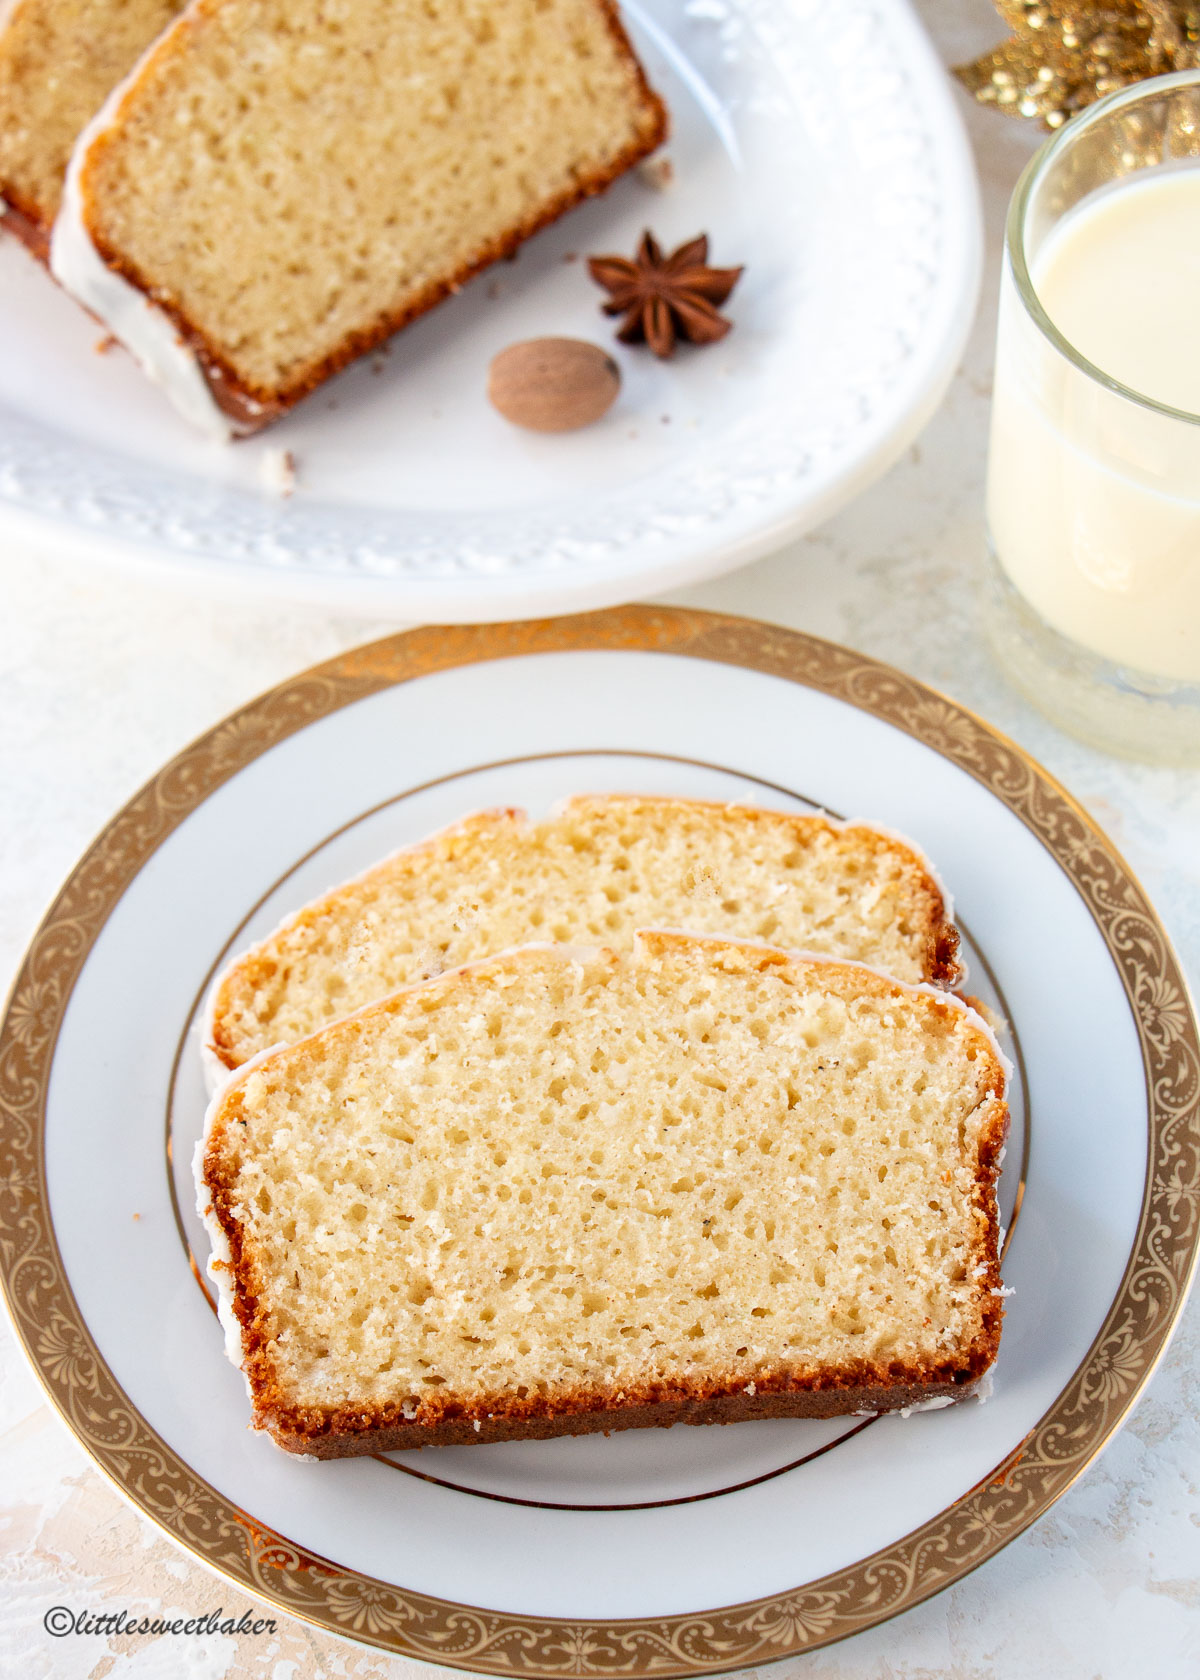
{"x":1055,"y":1452}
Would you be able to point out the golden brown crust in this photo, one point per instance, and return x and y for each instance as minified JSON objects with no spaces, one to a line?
{"x":792,"y":1391}
{"x":251,"y":408}
{"x":351,"y":1433}
{"x":943,"y":963}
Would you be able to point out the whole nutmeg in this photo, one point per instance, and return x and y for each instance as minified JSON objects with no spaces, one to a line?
{"x":553,"y":384}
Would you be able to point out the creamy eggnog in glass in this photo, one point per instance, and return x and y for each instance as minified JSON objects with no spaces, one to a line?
{"x":1093,"y":498}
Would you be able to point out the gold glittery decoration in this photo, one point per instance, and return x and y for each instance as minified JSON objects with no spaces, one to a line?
{"x":1062,"y":56}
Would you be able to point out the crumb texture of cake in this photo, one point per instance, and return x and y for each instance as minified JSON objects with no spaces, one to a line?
{"x":568,"y":1189}
{"x":600,"y":868}
{"x":292,"y":180}
{"x":59,"y":60}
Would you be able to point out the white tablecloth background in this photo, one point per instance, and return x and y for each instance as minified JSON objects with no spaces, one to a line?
{"x":102,"y":678}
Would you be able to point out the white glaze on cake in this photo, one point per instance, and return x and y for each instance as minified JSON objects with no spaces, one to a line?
{"x":220,"y":1261}
{"x":935,"y":1404}
{"x":145,"y":330}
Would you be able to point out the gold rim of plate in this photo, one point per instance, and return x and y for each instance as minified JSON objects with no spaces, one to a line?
{"x":1062,"y":1444}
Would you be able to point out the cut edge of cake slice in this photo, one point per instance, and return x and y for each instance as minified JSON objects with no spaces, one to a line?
{"x":172,"y":347}
{"x":100,"y":43}
{"x":224,"y":1038}
{"x":356,"y":1426}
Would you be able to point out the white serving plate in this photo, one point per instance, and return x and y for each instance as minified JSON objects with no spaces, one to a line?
{"x":668,"y":1552}
{"x":816,"y":143}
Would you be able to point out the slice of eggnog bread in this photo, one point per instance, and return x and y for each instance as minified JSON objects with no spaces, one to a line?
{"x":59,"y":61}
{"x":600,"y":868}
{"x":565,"y":1190}
{"x":288,"y":182}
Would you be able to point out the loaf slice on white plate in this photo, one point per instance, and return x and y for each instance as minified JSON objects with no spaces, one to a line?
{"x":565,"y":1190}
{"x":600,"y":868}
{"x":281,"y":184}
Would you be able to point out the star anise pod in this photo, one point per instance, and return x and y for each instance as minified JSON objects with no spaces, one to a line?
{"x":666,"y":298}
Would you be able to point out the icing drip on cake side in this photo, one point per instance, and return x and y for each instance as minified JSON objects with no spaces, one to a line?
{"x":146,"y":331}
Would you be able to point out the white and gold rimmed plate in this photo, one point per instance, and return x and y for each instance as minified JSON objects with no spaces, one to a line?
{"x":818,"y":145}
{"x":664,"y":1552}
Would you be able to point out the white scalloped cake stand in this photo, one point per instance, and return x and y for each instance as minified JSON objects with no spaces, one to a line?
{"x":817,"y":144}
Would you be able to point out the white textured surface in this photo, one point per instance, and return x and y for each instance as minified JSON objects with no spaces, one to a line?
{"x":101,"y":678}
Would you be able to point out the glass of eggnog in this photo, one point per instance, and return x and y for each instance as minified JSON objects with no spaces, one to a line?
{"x":1093,"y":498}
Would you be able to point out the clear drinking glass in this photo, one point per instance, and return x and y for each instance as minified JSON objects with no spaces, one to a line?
{"x":1093,"y":499}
